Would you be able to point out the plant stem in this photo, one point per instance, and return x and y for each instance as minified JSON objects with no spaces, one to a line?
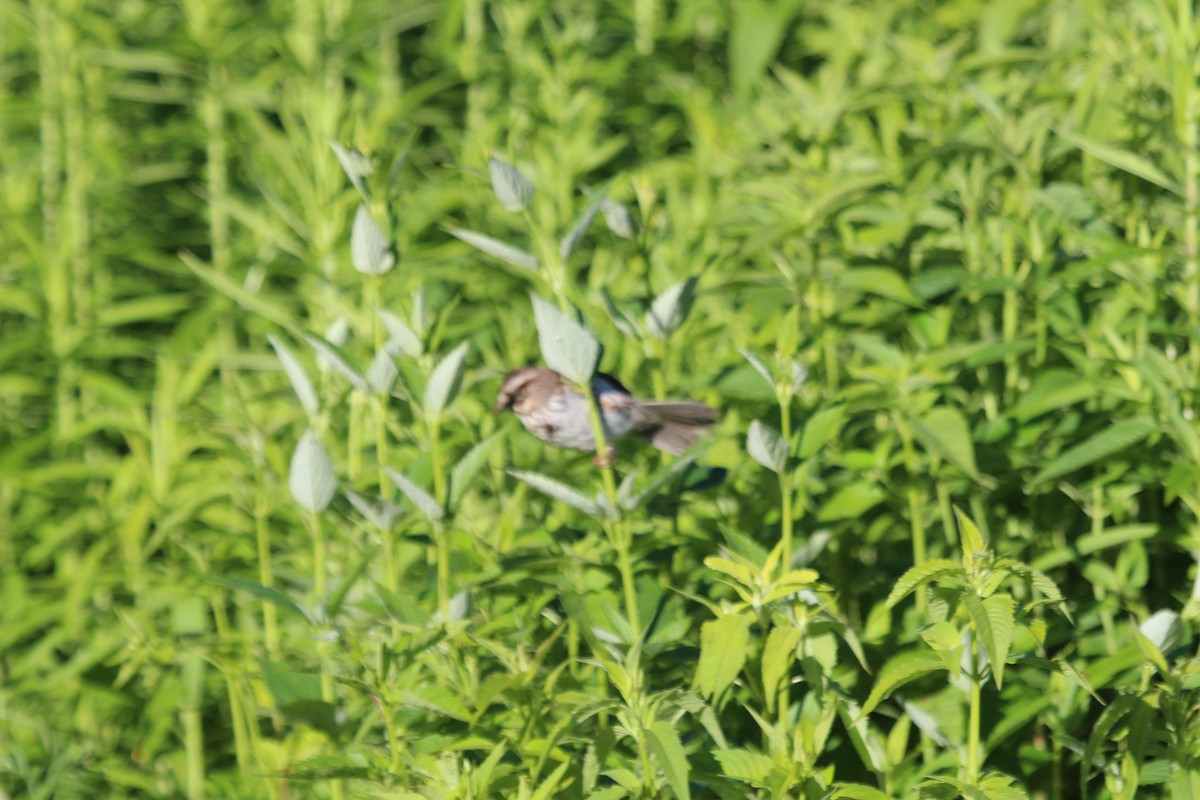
{"x":440,"y":534}
{"x":266,"y":576}
{"x":785,"y":486}
{"x":973,"y":721}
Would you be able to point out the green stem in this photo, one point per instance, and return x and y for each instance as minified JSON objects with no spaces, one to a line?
{"x":785,"y":486}
{"x":916,"y":515}
{"x":973,"y":721}
{"x":266,"y":576}
{"x":193,"y":737}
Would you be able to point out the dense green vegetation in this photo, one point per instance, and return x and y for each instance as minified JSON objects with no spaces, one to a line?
{"x":937,"y":264}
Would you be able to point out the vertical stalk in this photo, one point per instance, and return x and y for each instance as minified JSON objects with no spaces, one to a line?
{"x":440,"y":535}
{"x":266,"y":576}
{"x":785,"y":484}
{"x":973,"y":718}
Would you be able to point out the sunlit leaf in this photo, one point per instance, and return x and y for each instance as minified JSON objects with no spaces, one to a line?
{"x":369,"y":250}
{"x":301,"y":385}
{"x":444,"y":381}
{"x":766,"y":446}
{"x":494,"y":247}
{"x":311,"y":477}
{"x":567,"y":346}
{"x":724,"y":644}
{"x":512,"y":189}
{"x":664,"y":741}
{"x":424,"y":501}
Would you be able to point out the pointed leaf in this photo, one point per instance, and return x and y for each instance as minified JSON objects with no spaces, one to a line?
{"x":664,"y":741}
{"x":944,"y":430}
{"x":618,"y":219}
{"x":777,"y":658}
{"x":382,"y":516}
{"x":759,"y":366}
{"x":767,"y":447}
{"x":724,"y":644}
{"x":444,"y":382}
{"x":402,"y":340}
{"x":559,"y":491}
{"x":301,"y":385}
{"x":898,"y":671}
{"x":852,"y":501}
{"x":1163,"y":629}
{"x":934,"y":569}
{"x":512,"y":189}
{"x":1111,"y":440}
{"x":820,"y":428}
{"x":745,"y":765}
{"x":670,"y":309}
{"x":311,"y":477}
{"x":381,"y":375}
{"x":1125,"y":160}
{"x":993,"y":622}
{"x":338,"y":361}
{"x":468,"y":467}
{"x":494,"y":247}
{"x":424,"y":501}
{"x":571,"y":240}
{"x":567,"y":346}
{"x":355,"y":165}
{"x":369,"y":251}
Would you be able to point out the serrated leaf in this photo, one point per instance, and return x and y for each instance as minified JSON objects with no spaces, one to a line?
{"x":922,"y":573}
{"x":1125,"y":160}
{"x":898,"y":671}
{"x":571,"y":240}
{"x":745,"y":765}
{"x":381,"y":375}
{"x":567,"y":347}
{"x":420,"y":498}
{"x":759,"y":366}
{"x":944,"y":430}
{"x":444,"y":381}
{"x":664,"y":741}
{"x":494,"y":247}
{"x":992,"y":619}
{"x":1109,"y":441}
{"x":724,"y":643}
{"x":618,"y":219}
{"x":820,"y":428}
{"x":311,"y":478}
{"x":382,"y":516}
{"x":1052,"y":390}
{"x":402,"y":340}
{"x":670,"y":309}
{"x":512,"y":189}
{"x":468,"y":467}
{"x":777,"y":658}
{"x":559,"y":491}
{"x":338,"y":362}
{"x":766,"y":446}
{"x":301,"y":385}
{"x":355,"y":165}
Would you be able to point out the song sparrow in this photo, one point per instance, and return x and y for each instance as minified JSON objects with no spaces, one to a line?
{"x":556,"y":412}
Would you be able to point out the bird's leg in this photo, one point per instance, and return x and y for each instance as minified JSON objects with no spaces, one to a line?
{"x":608,"y":459}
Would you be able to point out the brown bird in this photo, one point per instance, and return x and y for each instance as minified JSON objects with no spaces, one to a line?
{"x":556,"y":412}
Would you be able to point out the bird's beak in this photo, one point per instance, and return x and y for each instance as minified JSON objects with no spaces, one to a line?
{"x":503,"y":403}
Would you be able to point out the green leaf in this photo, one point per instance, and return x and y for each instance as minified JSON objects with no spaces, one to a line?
{"x":338,"y":361}
{"x":759,"y":366}
{"x":512,"y":189}
{"x":571,"y":240}
{"x":857,"y":791}
{"x":777,"y":659}
{"x":567,"y":347}
{"x":934,"y":569}
{"x":311,"y":478}
{"x":401,"y":338}
{"x":468,"y":467}
{"x":369,"y":250}
{"x":898,"y":671}
{"x":993,"y":621}
{"x":1114,"y":537}
{"x":670,"y":309}
{"x":1111,"y":440}
{"x":1125,"y":160}
{"x":851,"y":501}
{"x":1051,"y":390}
{"x":494,"y":247}
{"x":301,"y":385}
{"x":443,"y":383}
{"x":881,"y":281}
{"x":355,"y":165}
{"x":268,"y":593}
{"x":382,"y":373}
{"x":664,"y":741}
{"x":767,"y":447}
{"x":618,"y":219}
{"x":744,"y":765}
{"x":724,"y":643}
{"x":424,"y":501}
{"x":559,"y":491}
{"x":820,"y":428}
{"x":238,"y":293}
{"x":758,"y":29}
{"x":944,"y":430}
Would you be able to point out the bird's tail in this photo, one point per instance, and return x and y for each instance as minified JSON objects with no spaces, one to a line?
{"x":679,"y":423}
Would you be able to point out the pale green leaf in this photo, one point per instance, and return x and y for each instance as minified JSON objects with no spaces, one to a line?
{"x":443,"y":383}
{"x":301,"y":385}
{"x":494,"y":247}
{"x":766,"y":446}
{"x":420,"y":498}
{"x":558,"y":490}
{"x":664,"y":741}
{"x":567,"y":346}
{"x":724,"y":644}
{"x":369,"y":250}
{"x":820,"y":428}
{"x":1111,"y":440}
{"x":512,"y":189}
{"x":311,"y":478}
{"x":944,"y":430}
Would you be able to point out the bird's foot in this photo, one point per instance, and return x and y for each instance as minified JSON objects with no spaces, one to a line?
{"x":608,"y":459}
